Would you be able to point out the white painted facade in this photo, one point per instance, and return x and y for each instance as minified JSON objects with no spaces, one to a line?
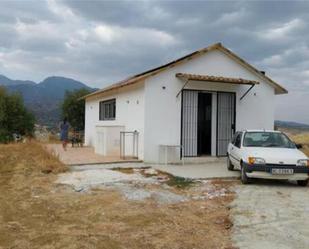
{"x":152,"y":108}
{"x":129,"y":117}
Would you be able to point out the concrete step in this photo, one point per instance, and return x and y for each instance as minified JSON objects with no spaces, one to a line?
{"x":204,"y":160}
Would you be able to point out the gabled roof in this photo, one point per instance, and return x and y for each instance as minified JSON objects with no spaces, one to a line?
{"x":138,"y":77}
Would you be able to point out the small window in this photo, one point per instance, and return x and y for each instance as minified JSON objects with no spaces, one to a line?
{"x":108,"y":110}
{"x":238,"y":140}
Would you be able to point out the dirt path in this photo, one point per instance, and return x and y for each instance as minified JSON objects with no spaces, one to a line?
{"x":271,"y":215}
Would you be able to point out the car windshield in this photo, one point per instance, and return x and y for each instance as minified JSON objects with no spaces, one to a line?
{"x":267,"y":139}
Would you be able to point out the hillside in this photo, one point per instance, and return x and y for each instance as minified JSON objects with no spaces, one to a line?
{"x":290,"y":124}
{"x":5,"y":81}
{"x":44,"y":98}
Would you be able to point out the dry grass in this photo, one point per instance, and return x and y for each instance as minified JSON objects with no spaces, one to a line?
{"x":35,"y":213}
{"x":302,"y":138}
{"x":28,"y":157}
{"x":299,"y":136}
{"x":53,"y":139}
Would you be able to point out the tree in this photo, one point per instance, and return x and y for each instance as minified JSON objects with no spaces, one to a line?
{"x":14,"y":117}
{"x":73,"y":108}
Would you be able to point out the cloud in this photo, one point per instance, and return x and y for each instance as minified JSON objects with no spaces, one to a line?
{"x":104,"y":41}
{"x":232,"y":17}
{"x":152,"y":37}
{"x":107,"y":34}
{"x":283,"y":31}
{"x":60,"y":10}
{"x":274,"y":60}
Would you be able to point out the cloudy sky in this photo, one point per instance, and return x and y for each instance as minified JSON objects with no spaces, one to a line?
{"x":99,"y":42}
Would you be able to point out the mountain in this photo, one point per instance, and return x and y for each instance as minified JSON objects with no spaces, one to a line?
{"x":5,"y":81}
{"x":290,"y":124}
{"x":44,"y":99}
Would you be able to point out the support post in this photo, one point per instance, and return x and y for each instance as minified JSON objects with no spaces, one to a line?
{"x":246,"y":92}
{"x":182,"y":88}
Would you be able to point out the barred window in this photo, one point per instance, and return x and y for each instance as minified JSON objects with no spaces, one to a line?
{"x":108,"y":110}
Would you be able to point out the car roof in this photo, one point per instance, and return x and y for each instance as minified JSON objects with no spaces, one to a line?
{"x":261,"y":131}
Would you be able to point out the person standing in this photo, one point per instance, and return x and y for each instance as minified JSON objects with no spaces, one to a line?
{"x":64,"y":133}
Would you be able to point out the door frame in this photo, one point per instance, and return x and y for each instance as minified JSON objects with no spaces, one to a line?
{"x":181,"y":117}
{"x":234,"y":121}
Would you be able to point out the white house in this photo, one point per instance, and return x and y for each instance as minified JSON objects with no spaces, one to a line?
{"x":193,"y":105}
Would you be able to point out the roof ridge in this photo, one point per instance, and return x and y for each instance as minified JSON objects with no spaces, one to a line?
{"x":136,"y":78}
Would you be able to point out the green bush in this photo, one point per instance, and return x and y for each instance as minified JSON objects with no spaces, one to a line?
{"x":179,"y":182}
{"x":14,"y":117}
{"x":73,"y":108}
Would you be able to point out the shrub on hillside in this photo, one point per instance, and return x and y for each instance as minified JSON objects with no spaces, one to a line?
{"x":14,"y":117}
{"x":74,"y":108}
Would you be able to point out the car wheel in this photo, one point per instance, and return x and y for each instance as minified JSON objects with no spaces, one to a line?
{"x":230,"y":166}
{"x":243,"y":176}
{"x":302,"y":183}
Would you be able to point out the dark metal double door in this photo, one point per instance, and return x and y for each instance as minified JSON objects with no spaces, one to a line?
{"x":225,"y":121}
{"x":197,"y":122}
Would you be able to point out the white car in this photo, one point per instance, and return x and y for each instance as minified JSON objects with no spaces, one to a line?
{"x":267,"y":154}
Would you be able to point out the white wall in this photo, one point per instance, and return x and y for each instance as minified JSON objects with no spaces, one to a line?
{"x":129,"y":114}
{"x":108,"y":140}
{"x":163,"y":108}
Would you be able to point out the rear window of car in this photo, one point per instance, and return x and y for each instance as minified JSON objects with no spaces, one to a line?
{"x":267,"y":139}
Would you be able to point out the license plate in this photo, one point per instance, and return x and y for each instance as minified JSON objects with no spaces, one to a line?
{"x":282,"y":171}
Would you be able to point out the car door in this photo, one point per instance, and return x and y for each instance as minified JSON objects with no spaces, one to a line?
{"x":231,"y":146}
{"x":235,"y":152}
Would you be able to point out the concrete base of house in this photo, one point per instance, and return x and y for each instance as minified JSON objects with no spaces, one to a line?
{"x":199,"y":171}
{"x":211,"y":170}
{"x":85,"y":156}
{"x":202,"y":160}
{"x":192,"y":160}
{"x":124,"y":165}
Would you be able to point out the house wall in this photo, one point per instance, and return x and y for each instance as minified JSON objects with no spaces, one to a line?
{"x":129,"y":117}
{"x":163,"y":108}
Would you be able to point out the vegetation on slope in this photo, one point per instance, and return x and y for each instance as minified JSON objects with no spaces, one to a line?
{"x":14,"y":117}
{"x":74,"y":108}
{"x":44,"y":98}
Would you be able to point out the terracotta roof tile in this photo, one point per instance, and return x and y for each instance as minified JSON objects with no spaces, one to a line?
{"x":219,"y":79}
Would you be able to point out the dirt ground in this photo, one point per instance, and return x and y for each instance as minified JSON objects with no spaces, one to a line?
{"x":271,"y":214}
{"x":36,"y":212}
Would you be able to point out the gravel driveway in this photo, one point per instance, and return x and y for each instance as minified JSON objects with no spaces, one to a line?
{"x":271,"y":215}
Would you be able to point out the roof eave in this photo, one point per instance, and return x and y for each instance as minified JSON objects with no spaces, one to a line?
{"x":281,"y":91}
{"x":111,"y":88}
{"x":278,"y":88}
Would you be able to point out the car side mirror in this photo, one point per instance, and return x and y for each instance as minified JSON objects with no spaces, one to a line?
{"x":299,"y":146}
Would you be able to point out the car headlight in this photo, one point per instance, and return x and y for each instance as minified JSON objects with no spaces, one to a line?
{"x":256,"y":160}
{"x":303,"y":162}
